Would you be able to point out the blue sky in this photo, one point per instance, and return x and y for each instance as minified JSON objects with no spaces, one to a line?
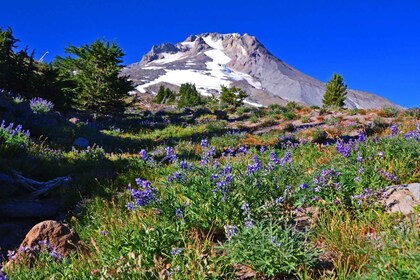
{"x":374,"y":44}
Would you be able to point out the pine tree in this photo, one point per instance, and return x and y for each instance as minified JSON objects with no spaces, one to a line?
{"x":94,"y":71}
{"x":189,"y":96}
{"x":335,"y":92}
{"x":164,"y":95}
{"x":233,"y":96}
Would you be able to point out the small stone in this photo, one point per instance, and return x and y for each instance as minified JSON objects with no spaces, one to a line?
{"x":81,"y":143}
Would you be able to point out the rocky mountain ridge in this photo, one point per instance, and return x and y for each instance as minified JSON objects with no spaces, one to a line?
{"x":212,"y":59}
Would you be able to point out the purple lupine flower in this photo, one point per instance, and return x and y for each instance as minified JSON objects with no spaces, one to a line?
{"x":394,"y":130}
{"x":130,"y":206}
{"x":211,"y":152}
{"x":179,"y":214}
{"x":388,"y":176}
{"x":143,"y":196}
{"x":143,"y":154}
{"x":359,"y":158}
{"x":55,"y":255}
{"x":286,"y":159}
{"x":361,"y":137}
{"x":242,"y":150}
{"x":230,"y":231}
{"x":247,"y":213}
{"x":257,"y":165}
{"x":39,"y":105}
{"x":104,"y":232}
{"x":230,"y":151}
{"x":183,"y":165}
{"x":414,"y":134}
{"x":381,"y":154}
{"x":213,"y":177}
{"x":204,"y":143}
{"x":178,"y":176}
{"x":176,"y":251}
{"x":279,"y":200}
{"x":170,"y":154}
{"x":273,"y":158}
{"x":275,"y":242}
{"x":262,"y":149}
{"x":304,"y":186}
{"x":343,"y":148}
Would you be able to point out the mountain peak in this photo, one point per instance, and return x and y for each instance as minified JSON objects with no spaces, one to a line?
{"x":212,"y":59}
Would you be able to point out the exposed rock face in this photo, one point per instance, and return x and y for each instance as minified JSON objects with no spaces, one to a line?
{"x":212,"y":59}
{"x":56,"y":238}
{"x":402,"y":198}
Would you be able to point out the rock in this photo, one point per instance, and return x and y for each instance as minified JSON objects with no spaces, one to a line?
{"x":81,"y":143}
{"x":74,"y":120}
{"x":58,"y":239}
{"x":401,"y":198}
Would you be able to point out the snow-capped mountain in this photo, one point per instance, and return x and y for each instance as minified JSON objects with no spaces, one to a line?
{"x":211,"y":59}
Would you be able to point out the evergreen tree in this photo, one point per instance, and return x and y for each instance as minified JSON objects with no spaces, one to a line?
{"x":93,"y":76}
{"x":335,"y":92}
{"x":233,"y":96}
{"x":164,"y":95}
{"x":189,"y":96}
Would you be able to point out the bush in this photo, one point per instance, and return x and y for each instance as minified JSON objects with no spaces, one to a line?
{"x":270,"y":249}
{"x":14,"y":138}
{"x":40,"y":106}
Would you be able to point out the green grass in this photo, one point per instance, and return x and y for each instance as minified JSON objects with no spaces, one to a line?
{"x":216,"y":192}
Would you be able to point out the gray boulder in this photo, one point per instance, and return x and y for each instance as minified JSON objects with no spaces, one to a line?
{"x":81,"y":143}
{"x":401,"y":198}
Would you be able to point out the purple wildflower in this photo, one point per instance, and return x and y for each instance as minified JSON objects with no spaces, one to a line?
{"x":176,"y":251}
{"x":343,"y":148}
{"x":394,"y":130}
{"x":39,"y":105}
{"x":275,"y":242}
{"x":388,"y":176}
{"x":179,"y":214}
{"x":361,"y":137}
{"x":257,"y":165}
{"x":204,"y":143}
{"x":304,"y":186}
{"x":230,"y":231}
{"x":273,"y":158}
{"x":242,"y":150}
{"x":143,"y":154}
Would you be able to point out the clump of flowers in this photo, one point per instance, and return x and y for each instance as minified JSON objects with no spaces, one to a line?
{"x":415,"y":134}
{"x":388,"y":176}
{"x":13,"y":136}
{"x":343,"y":148}
{"x":142,"y":196}
{"x":40,"y":106}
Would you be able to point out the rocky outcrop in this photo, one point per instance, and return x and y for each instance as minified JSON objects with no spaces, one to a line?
{"x":402,"y":198}
{"x":52,"y":237}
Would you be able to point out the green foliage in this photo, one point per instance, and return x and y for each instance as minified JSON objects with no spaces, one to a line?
{"x":270,"y":249}
{"x":13,"y":138}
{"x":390,"y":112}
{"x":335,"y":92}
{"x":292,"y":105}
{"x":92,"y":73}
{"x":232,"y":96}
{"x":189,"y":96}
{"x":164,"y":95}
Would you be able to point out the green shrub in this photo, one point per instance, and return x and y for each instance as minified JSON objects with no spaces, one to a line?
{"x":270,"y":249}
